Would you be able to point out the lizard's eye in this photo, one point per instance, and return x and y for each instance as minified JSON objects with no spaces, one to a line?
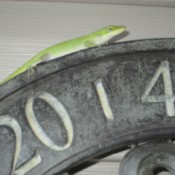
{"x":110,"y":29}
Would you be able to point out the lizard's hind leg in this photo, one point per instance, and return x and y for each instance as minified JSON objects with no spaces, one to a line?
{"x":31,"y":72}
{"x":32,"y":69}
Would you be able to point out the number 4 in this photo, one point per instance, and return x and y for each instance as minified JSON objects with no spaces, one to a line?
{"x":168,"y":98}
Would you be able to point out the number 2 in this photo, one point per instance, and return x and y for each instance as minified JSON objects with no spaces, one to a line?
{"x":10,"y":122}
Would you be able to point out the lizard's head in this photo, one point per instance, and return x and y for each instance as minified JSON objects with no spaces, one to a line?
{"x":112,"y":30}
{"x":108,"y":32}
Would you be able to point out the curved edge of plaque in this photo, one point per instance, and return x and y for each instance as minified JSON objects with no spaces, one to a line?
{"x":80,"y":57}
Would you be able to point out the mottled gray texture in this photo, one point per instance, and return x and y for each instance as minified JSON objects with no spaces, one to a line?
{"x":147,"y":158}
{"x":125,"y":70}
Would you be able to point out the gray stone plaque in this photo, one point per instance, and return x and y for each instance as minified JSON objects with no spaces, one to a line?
{"x":85,"y":104}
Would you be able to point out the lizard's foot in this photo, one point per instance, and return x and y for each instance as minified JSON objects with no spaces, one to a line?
{"x":30,"y":72}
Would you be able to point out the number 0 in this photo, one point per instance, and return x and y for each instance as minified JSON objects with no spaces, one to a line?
{"x":60,"y":110}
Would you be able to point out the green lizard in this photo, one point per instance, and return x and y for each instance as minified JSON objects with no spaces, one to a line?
{"x":96,"y":38}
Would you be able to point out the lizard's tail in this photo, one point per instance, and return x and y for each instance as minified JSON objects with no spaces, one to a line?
{"x":14,"y":74}
{"x":23,"y":68}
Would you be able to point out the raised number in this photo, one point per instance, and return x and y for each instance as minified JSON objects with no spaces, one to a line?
{"x":62,"y":113}
{"x":168,"y":98}
{"x":6,"y":120}
{"x":104,"y":100}
{"x":33,"y":162}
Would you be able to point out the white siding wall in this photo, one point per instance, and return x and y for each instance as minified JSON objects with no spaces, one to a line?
{"x":28,"y":27}
{"x":164,"y":3}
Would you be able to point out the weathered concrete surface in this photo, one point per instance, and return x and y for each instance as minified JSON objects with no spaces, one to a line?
{"x":86,"y":104}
